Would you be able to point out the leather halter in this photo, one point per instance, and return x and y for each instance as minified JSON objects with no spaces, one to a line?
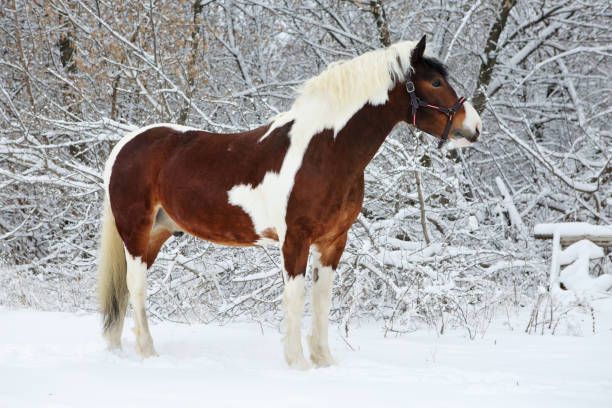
{"x":417,"y":102}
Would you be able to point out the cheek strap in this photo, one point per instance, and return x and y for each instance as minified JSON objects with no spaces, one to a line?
{"x":451,"y":115}
{"x":417,"y":103}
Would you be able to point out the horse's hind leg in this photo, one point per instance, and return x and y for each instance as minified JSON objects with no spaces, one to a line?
{"x":142,"y":247}
{"x":137,"y":286}
{"x":325,"y":261}
{"x":113,"y":333}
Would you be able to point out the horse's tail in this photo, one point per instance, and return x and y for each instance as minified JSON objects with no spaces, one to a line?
{"x":112,"y":268}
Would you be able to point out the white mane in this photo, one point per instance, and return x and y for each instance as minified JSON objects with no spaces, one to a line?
{"x":331,"y":98}
{"x":366,"y":78}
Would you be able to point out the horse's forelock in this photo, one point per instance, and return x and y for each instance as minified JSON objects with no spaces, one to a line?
{"x":436,"y":65}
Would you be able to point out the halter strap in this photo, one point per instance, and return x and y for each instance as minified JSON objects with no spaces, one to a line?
{"x":417,"y":102}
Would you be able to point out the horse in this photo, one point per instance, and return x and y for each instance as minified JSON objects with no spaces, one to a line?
{"x":297,"y":181}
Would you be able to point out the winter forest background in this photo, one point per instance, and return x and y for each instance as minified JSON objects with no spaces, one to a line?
{"x":438,"y":242}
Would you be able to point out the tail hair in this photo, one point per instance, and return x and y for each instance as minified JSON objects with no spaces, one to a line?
{"x":112,"y":268}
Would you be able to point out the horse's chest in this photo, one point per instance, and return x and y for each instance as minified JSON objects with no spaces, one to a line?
{"x":324,"y":206}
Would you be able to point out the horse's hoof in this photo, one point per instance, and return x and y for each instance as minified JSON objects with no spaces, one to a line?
{"x":297,"y":360}
{"x":322,"y":360}
{"x":146,"y":352}
{"x":320,"y":354}
{"x":300,"y":364}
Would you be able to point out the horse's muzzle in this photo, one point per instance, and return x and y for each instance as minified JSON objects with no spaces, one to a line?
{"x":463,"y":134}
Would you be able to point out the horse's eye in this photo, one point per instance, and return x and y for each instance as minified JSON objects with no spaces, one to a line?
{"x":436,"y":83}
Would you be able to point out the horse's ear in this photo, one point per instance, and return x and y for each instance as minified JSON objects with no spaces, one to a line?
{"x":418,"y":51}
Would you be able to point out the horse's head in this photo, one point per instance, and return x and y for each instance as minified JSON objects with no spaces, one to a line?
{"x":436,"y":109}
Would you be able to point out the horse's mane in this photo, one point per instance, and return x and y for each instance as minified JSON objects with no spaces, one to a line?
{"x":363,"y":78}
{"x":331,"y":98}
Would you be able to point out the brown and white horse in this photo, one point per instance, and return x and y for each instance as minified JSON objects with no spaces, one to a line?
{"x":298,"y":181}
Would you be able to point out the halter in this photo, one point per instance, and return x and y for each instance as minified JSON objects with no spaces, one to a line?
{"x":417,"y":102}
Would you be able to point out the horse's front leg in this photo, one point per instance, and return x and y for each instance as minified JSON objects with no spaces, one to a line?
{"x":326,"y":256}
{"x":295,"y":257}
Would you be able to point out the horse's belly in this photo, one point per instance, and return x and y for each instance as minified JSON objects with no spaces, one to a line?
{"x":226,"y":207}
{"x":218,"y":221}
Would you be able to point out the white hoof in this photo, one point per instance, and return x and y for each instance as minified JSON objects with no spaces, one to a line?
{"x":298,"y":362}
{"x":320,"y":354}
{"x":146,"y":350}
{"x":144,"y":345}
{"x":113,"y":342}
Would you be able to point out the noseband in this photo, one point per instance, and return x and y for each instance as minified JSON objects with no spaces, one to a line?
{"x":417,"y":102}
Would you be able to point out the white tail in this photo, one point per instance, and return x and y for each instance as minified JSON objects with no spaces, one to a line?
{"x":112,"y":286}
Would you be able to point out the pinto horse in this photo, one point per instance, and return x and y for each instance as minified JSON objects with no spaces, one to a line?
{"x":297,"y":181}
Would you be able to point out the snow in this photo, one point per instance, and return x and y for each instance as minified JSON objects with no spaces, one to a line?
{"x":575,"y":277}
{"x":573,"y":228}
{"x":53,"y":359}
{"x":583,"y":248}
{"x":515,"y":217}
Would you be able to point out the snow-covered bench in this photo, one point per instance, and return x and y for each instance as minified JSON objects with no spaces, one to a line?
{"x":570,"y":232}
{"x":584,"y":242}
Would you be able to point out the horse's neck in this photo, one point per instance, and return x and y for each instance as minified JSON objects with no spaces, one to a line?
{"x":366,"y":131}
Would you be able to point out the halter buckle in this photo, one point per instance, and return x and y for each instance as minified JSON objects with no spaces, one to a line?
{"x":410,"y":86}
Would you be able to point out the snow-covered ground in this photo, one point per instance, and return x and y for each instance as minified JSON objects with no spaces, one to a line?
{"x":58,"y":360}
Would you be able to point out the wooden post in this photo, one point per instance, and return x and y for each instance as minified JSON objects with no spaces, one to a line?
{"x":554,"y":264}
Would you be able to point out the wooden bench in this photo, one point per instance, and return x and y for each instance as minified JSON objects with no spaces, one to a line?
{"x":571,"y":232}
{"x":565,"y":234}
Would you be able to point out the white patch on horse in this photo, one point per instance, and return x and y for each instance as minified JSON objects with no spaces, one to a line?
{"x":472,"y":121}
{"x":137,"y":286}
{"x":326,"y":101}
{"x":266,"y":242}
{"x":110,"y":162}
{"x":321,"y":304}
{"x":293,"y":303}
